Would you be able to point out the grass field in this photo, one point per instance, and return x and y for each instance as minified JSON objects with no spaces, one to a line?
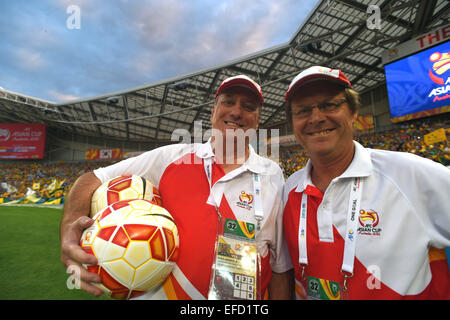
{"x":30,"y":266}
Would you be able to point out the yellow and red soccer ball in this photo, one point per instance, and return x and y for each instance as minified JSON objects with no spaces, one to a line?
{"x":123,"y":188}
{"x":136,"y":244}
{"x":134,"y":239}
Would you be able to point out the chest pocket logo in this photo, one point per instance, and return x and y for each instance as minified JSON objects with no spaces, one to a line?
{"x":368,"y":221}
{"x":245,"y":200}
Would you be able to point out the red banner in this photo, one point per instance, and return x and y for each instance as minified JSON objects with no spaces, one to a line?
{"x":22,"y":140}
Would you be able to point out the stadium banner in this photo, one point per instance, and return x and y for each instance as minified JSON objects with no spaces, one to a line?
{"x":435,"y":136}
{"x":364,"y":122}
{"x":421,"y":114}
{"x":418,"y":43}
{"x":22,"y":140}
{"x":103,"y":154}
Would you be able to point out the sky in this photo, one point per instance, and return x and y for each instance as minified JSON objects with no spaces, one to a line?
{"x":61,"y":50}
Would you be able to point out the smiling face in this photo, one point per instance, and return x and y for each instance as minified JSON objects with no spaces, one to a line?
{"x":322,"y":134}
{"x":235,"y":108}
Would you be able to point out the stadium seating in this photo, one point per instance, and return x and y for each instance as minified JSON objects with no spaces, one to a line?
{"x":40,"y":183}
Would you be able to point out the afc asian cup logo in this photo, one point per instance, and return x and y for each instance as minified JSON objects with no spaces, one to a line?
{"x":441,"y":64}
{"x":369,"y":221}
{"x":245,"y":200}
{"x":4,"y":134}
{"x":370,"y":217}
{"x":245,"y":197}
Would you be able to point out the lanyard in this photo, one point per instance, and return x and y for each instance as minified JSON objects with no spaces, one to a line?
{"x":350,"y":231}
{"x":257,"y":209}
{"x":303,"y":257}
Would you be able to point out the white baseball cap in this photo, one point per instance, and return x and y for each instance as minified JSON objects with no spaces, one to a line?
{"x":241,"y":81}
{"x":317,"y":73}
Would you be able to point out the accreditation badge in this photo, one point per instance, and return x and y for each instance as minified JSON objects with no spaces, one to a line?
{"x":235,"y":273}
{"x":321,"y":289}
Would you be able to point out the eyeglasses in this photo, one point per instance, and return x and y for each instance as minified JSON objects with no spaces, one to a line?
{"x":325,"y":107}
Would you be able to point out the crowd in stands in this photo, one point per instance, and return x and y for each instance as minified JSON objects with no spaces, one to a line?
{"x":52,"y":181}
{"x":46,"y":180}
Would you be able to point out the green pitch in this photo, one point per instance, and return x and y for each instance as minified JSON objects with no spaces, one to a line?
{"x":30,"y":265}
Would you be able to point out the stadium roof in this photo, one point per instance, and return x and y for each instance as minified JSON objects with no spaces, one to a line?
{"x":335,"y":34}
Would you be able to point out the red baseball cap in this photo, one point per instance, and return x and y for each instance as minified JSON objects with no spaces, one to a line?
{"x":241,"y":81}
{"x":317,"y":73}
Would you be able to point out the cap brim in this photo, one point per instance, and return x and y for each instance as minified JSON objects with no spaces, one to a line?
{"x":314,"y":78}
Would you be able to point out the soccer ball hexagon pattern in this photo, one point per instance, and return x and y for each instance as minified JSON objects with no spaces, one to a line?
{"x":136,"y":244}
{"x":123,"y":188}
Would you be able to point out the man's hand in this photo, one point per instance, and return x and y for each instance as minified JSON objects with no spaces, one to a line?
{"x":74,"y":221}
{"x":73,"y":255}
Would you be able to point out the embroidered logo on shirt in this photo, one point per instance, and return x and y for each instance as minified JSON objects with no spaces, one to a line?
{"x":368,"y":221}
{"x":245,"y":200}
{"x":351,"y":236}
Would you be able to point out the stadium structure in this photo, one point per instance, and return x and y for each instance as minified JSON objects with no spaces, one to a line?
{"x":335,"y":34}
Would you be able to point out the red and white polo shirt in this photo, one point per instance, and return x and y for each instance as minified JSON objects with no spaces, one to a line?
{"x":179,"y":174}
{"x":403,"y":227}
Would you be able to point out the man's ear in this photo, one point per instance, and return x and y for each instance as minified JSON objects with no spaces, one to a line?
{"x":259,"y":119}
{"x":355,"y":117}
{"x":212,"y":111}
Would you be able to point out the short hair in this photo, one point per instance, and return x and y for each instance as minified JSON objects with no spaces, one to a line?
{"x":353,"y":101}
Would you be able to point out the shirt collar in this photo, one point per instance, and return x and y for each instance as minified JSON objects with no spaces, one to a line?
{"x":204,"y":150}
{"x":254,"y":163}
{"x":361,"y":166}
{"x":305,"y":178}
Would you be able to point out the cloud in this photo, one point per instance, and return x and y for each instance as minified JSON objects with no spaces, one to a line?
{"x":175,"y":39}
{"x":235,"y":29}
{"x":124,"y":44}
{"x":63,"y":97}
{"x":30,"y":60}
{"x":158,"y":22}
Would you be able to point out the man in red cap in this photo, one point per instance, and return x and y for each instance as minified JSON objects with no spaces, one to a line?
{"x":201,"y":185}
{"x":360,"y":223}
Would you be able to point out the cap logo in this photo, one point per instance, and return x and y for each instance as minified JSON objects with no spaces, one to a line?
{"x":317,"y":73}
{"x":328,"y":71}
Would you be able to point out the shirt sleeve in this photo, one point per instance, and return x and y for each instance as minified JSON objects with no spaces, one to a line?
{"x":431,"y":197}
{"x":425,"y":184}
{"x":150,"y":165}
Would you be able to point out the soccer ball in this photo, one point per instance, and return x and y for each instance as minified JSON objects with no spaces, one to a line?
{"x":136,"y":244}
{"x":122,"y":188}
